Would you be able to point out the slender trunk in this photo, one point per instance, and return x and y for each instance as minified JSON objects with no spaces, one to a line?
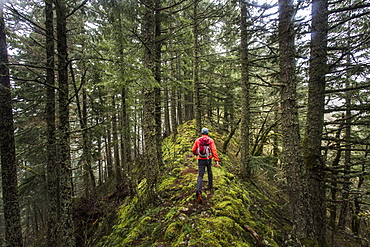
{"x":126,"y":145}
{"x":356,"y":217}
{"x":90,"y":178}
{"x":117,"y":163}
{"x":196,"y":86}
{"x":334,"y":182}
{"x":99,"y":152}
{"x":52,"y":164}
{"x":188,"y":106}
{"x":292,"y":153}
{"x":245,"y":122}
{"x":13,"y":230}
{"x":347,"y":158}
{"x":158,"y":77}
{"x":88,"y":175}
{"x":167,"y":125}
{"x":315,"y":121}
{"x":66,"y":191}
{"x":151,"y":110}
{"x":173,"y":95}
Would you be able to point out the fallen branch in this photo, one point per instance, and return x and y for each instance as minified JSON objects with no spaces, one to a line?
{"x":255,"y":235}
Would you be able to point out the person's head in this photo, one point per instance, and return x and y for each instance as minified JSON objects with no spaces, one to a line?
{"x":205,"y":131}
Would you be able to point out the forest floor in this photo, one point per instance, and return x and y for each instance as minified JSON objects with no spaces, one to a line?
{"x":235,"y":213}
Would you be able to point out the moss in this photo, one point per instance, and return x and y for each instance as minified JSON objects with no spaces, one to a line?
{"x":219,"y":231}
{"x":178,"y":220}
{"x":309,"y":243}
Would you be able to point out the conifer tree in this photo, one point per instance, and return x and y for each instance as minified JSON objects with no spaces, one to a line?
{"x":66,"y":226}
{"x":13,"y":230}
{"x":292,"y":153}
{"x":315,"y":120}
{"x":52,"y":166}
{"x":245,"y":85}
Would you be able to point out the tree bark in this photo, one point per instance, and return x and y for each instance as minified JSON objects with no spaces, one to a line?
{"x":151,"y":116}
{"x":245,"y":120}
{"x":66,"y":227}
{"x":13,"y":230}
{"x":52,"y":170}
{"x":292,"y":153}
{"x":347,"y":154}
{"x":117,"y":163}
{"x":108,"y":151}
{"x":196,"y":86}
{"x":315,"y":121}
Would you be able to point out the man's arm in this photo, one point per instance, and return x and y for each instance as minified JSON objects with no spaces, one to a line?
{"x":214,"y":152}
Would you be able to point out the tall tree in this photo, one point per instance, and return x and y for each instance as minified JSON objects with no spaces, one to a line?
{"x":292,"y":153}
{"x":151,"y":112}
{"x":315,"y":120}
{"x":196,"y":86}
{"x":117,"y":163}
{"x":13,"y":230}
{"x":66,"y":226}
{"x":52,"y":166}
{"x":245,"y":85}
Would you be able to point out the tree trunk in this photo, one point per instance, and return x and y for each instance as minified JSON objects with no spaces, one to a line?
{"x":167,"y":125}
{"x":66,"y":228}
{"x":108,"y":151}
{"x":315,"y":121}
{"x":292,"y":154}
{"x":150,"y":112}
{"x":334,"y":182}
{"x":158,"y":77}
{"x":347,"y":155}
{"x":173,"y":94}
{"x":245,"y":120}
{"x":88,"y":174}
{"x":13,"y":230}
{"x":196,"y":86}
{"x":117,"y":164}
{"x":126,"y":144}
{"x":52,"y":164}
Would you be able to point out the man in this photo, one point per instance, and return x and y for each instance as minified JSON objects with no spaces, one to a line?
{"x":205,"y":149}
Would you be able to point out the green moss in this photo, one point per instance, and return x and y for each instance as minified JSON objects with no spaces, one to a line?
{"x":177,"y":220}
{"x":219,"y":231}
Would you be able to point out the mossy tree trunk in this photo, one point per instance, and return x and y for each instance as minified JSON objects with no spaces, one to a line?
{"x":245,"y":119}
{"x":292,"y":153}
{"x":151,"y":109}
{"x":13,"y":230}
{"x":315,"y":121}
{"x":66,"y":227}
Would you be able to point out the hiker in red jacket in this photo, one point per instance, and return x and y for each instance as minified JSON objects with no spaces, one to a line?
{"x":205,"y":149}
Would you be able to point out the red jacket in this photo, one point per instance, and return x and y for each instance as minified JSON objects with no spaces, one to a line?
{"x":213,"y":149}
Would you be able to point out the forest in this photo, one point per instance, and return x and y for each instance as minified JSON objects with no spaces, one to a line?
{"x":102,"y":100}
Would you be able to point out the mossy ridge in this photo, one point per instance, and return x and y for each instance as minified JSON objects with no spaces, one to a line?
{"x":180,"y":221}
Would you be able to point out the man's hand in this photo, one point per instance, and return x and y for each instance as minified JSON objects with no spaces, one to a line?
{"x":217,"y":164}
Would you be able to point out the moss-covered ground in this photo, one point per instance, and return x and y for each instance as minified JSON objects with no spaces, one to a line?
{"x":235,"y":213}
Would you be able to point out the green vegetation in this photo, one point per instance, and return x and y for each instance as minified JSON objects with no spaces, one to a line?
{"x":224,"y":217}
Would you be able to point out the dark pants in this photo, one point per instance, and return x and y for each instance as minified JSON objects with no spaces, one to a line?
{"x":202,"y":164}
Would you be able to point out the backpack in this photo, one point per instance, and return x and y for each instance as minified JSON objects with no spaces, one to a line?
{"x":204,"y":148}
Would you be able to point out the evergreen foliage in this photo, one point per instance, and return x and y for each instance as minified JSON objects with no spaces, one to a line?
{"x":130,"y":95}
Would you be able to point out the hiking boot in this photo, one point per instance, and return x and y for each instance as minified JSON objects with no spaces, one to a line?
{"x":199,"y":197}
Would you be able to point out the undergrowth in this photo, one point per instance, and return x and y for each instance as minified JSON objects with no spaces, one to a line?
{"x":228,"y":216}
{"x":235,"y":213}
